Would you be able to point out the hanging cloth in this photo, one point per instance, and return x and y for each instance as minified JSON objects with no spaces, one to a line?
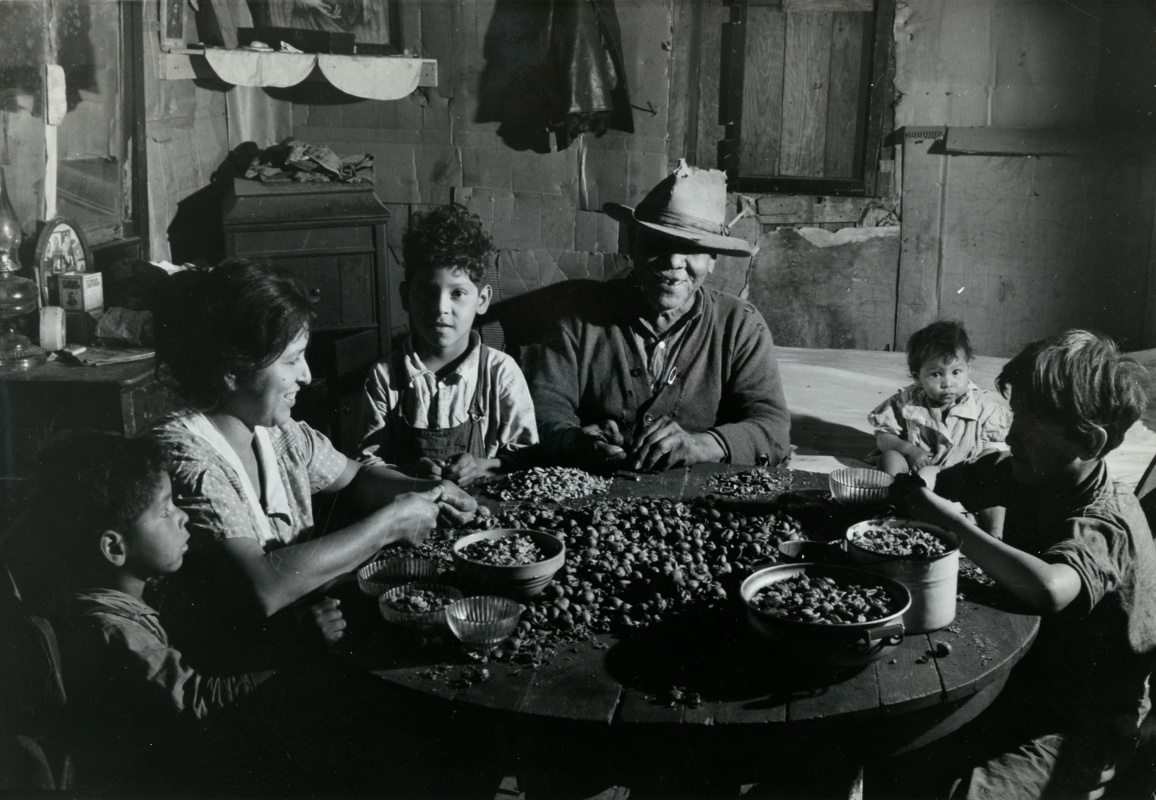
{"x":586,"y":52}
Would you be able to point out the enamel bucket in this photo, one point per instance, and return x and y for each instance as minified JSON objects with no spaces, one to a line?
{"x":931,"y":581}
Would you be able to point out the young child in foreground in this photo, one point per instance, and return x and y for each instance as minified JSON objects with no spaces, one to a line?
{"x":943,"y":418}
{"x":131,"y":699}
{"x":1077,"y":550}
{"x":445,"y":405}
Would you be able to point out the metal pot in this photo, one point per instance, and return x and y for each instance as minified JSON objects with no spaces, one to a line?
{"x":833,"y":646}
{"x":931,"y":580}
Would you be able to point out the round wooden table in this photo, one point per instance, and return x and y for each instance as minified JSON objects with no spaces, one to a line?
{"x":752,"y":699}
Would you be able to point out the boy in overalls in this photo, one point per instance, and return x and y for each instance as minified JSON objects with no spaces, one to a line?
{"x":445,"y":405}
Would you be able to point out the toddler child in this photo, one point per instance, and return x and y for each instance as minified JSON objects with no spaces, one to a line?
{"x":1077,"y":550}
{"x":445,"y":405}
{"x":943,"y":418}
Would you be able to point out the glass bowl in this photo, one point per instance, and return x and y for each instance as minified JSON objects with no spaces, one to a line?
{"x":431,"y":622}
{"x":859,"y":487}
{"x":379,"y":577}
{"x":485,"y":621}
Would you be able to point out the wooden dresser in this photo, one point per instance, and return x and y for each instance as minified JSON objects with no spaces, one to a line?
{"x":332,"y":238}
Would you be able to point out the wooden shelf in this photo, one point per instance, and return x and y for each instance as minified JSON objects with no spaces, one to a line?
{"x":187,"y":64}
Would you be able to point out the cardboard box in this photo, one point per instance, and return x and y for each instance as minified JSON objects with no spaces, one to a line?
{"x":81,"y":291}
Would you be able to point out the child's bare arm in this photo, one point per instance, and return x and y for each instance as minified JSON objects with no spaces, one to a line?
{"x":916,"y":456}
{"x":1045,"y":587}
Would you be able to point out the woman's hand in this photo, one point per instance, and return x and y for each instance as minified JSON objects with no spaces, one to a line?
{"x":327,"y":617}
{"x":456,"y":506}
{"x":411,"y":516}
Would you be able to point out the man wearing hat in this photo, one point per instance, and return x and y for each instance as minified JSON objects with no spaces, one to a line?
{"x":654,"y":371}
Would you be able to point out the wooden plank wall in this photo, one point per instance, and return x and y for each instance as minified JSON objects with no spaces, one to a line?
{"x":1022,"y":247}
{"x":440,"y":145}
{"x":186,"y":140}
{"x":1017,"y":246}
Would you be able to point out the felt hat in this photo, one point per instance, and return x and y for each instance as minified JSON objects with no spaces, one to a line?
{"x":688,"y":204}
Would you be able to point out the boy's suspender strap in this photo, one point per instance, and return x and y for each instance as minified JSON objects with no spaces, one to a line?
{"x":475,"y":444}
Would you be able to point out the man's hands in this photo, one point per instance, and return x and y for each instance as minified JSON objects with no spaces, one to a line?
{"x":599,"y":445}
{"x":662,"y":444}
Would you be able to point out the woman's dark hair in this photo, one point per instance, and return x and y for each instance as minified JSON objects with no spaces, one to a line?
{"x":1077,"y":380}
{"x":448,"y":236}
{"x":234,"y":319}
{"x":89,"y":482}
{"x":943,"y":340}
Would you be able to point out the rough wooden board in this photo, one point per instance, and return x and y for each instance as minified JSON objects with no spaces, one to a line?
{"x":504,"y":690}
{"x":709,"y":133}
{"x":918,"y":293}
{"x":805,"y":87}
{"x":944,"y":69}
{"x":1019,"y":234}
{"x":685,"y":43}
{"x":846,"y":106}
{"x":1046,"y":62}
{"x":1021,"y":141}
{"x":828,"y":5}
{"x":841,"y":296}
{"x":663,"y":484}
{"x":762,"y":115}
{"x":573,"y":686}
{"x":907,"y":679}
{"x":642,"y":707}
{"x":645,"y":29}
{"x":806,"y":209}
{"x":698,"y":475}
{"x":858,"y":697}
{"x":983,"y":647}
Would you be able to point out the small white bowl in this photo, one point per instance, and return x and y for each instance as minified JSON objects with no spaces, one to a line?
{"x":859,"y":487}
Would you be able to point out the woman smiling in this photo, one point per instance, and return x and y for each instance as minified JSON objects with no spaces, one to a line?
{"x":232,"y":342}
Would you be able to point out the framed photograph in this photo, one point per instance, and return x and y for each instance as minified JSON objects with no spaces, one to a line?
{"x":367,"y":20}
{"x":61,"y":247}
{"x":172,"y":19}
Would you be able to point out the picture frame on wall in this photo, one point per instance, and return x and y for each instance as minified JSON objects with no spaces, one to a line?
{"x":172,"y":24}
{"x":371,"y":22}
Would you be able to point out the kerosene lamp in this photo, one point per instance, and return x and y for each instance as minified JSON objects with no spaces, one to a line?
{"x":18,"y":296}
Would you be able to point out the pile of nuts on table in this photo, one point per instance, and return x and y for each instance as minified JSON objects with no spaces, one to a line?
{"x":822,"y":599}
{"x":752,"y":483}
{"x":900,"y":541}
{"x":509,"y":551}
{"x":418,"y":601}
{"x":551,"y":483}
{"x":634,"y":562}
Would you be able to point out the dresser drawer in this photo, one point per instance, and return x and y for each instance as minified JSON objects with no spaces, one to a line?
{"x":341,"y":287}
{"x":290,"y":241}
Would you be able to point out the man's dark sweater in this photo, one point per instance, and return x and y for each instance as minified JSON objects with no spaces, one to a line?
{"x":724,"y":378}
